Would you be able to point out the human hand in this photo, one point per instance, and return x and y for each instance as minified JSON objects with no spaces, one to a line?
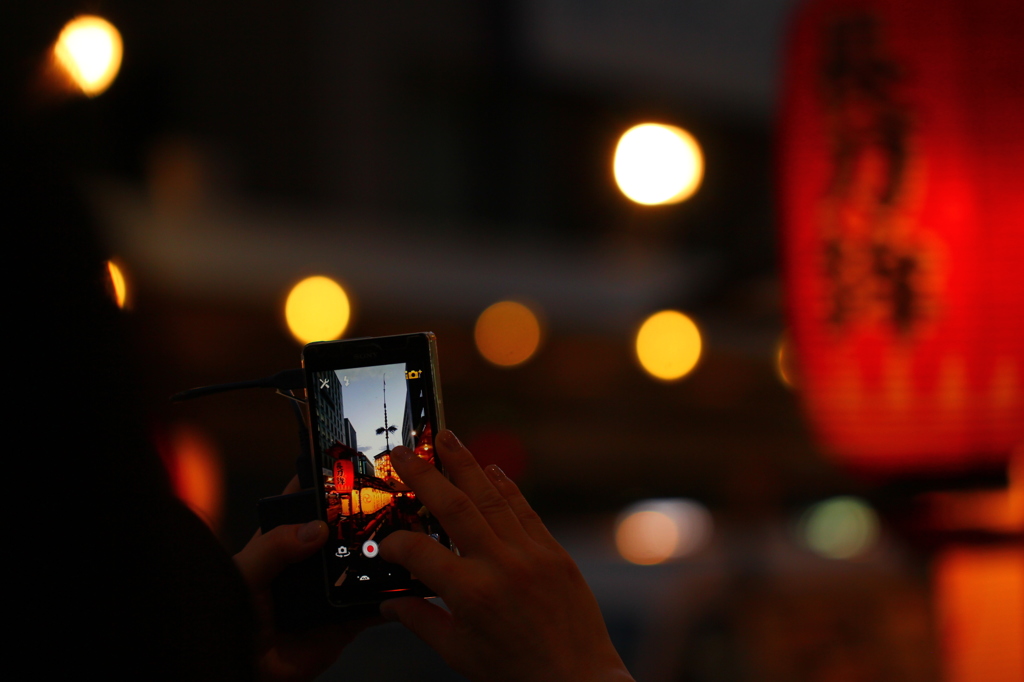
{"x":288,"y":657}
{"x":520,"y":609}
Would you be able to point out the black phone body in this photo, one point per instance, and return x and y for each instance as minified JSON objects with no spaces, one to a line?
{"x":366,"y":396}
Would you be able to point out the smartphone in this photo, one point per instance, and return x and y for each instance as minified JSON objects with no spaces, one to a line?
{"x":366,"y":396}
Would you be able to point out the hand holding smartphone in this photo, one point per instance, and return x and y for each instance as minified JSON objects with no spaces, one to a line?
{"x":366,"y":397}
{"x":512,"y":595}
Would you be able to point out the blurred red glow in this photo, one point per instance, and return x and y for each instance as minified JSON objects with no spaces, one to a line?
{"x":902,"y":158}
{"x":196,"y":473}
{"x":980,"y":592}
{"x":502,"y":447}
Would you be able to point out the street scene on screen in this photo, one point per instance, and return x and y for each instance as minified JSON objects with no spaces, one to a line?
{"x":362,"y":413}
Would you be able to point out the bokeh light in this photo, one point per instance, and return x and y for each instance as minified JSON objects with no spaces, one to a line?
{"x":979,"y":614}
{"x":507,"y":333}
{"x":197,"y":473}
{"x":89,"y":51}
{"x":317,"y":309}
{"x":654,"y":531}
{"x":658,"y":164}
{"x":668,"y":345}
{"x":840,"y":527}
{"x":785,"y":363}
{"x":119,"y":284}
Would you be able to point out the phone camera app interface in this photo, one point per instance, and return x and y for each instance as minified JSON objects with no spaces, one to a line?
{"x":362,"y":413}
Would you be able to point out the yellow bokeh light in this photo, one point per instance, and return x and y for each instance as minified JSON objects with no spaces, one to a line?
{"x":89,"y":50}
{"x":317,"y":309}
{"x":658,"y":164}
{"x":654,"y":531}
{"x":668,"y":345}
{"x":118,"y":281}
{"x":507,"y":333}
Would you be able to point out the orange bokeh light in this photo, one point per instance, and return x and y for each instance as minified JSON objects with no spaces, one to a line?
{"x":785,"y":362}
{"x":507,"y":333}
{"x":119,"y":284}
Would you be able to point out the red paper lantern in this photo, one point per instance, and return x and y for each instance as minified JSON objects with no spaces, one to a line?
{"x":902,"y":195}
{"x":344,"y":477}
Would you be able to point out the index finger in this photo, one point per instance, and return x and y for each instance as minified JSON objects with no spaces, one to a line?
{"x":461,"y":519}
{"x":468,"y":477}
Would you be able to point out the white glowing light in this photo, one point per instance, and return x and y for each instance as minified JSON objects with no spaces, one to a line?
{"x":655,"y":531}
{"x":89,"y":48}
{"x":658,"y":164}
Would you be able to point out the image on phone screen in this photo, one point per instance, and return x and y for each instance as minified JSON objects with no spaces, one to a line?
{"x":361,"y":414}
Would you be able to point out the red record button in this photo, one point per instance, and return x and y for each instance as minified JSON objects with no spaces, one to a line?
{"x":370,"y":549}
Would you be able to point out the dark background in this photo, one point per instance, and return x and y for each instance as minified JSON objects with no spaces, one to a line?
{"x":245,"y":146}
{"x":438,"y":157}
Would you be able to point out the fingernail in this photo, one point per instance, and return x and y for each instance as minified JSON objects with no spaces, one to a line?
{"x":495,"y":473}
{"x":310,"y":532}
{"x":401,"y":453}
{"x":450,"y":439}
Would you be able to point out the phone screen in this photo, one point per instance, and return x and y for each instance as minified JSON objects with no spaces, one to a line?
{"x":359,"y":413}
